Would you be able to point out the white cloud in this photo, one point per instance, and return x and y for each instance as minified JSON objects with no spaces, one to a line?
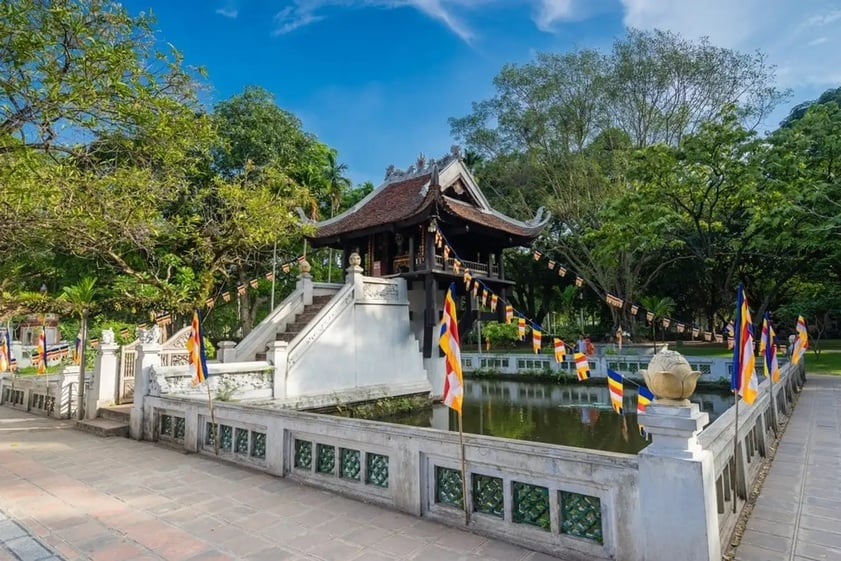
{"x":802,"y":39}
{"x":228,"y":12}
{"x":550,"y":12}
{"x":305,"y":12}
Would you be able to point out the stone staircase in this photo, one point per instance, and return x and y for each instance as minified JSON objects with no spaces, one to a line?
{"x":300,"y":323}
{"x":112,"y":421}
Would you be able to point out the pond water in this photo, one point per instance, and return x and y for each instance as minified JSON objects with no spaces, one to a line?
{"x":568,"y":414}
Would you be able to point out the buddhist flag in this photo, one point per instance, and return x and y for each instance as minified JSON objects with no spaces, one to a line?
{"x":537,"y":255}
{"x":521,"y":327}
{"x":666,"y":323}
{"x":241,"y":288}
{"x":11,"y":358}
{"x":164,"y":319}
{"x":270,"y":276}
{"x":634,"y":309}
{"x":536,"y":340}
{"x":801,"y":344}
{"x":579,"y":282}
{"x":560,"y":350}
{"x":195,"y":346}
{"x":467,"y":279}
{"x":582,"y":367}
{"x":509,"y":313}
{"x":719,"y":338}
{"x":446,"y":253}
{"x":681,"y":327}
{"x":562,"y":271}
{"x":254,"y":283}
{"x":42,"y":352}
{"x":649,"y":316}
{"x":644,"y":397}
{"x":301,"y":259}
{"x":226,"y":296}
{"x":449,"y":343}
{"x":695,"y":332}
{"x":456,"y":265}
{"x":286,"y":267}
{"x":5,"y":364}
{"x":494,"y":301}
{"x":743,"y":379}
{"x":77,"y":350}
{"x":475,"y":288}
{"x":614,"y":300}
{"x":484,"y":297}
{"x":614,"y":385}
{"x":768,"y":350}
{"x":209,"y":303}
{"x":551,"y":264}
{"x":708,"y":336}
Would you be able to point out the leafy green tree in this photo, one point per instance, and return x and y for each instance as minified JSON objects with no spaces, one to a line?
{"x":661,"y":307}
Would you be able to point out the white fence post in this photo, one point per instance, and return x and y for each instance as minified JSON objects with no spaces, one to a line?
{"x":103,"y":390}
{"x":148,"y":357}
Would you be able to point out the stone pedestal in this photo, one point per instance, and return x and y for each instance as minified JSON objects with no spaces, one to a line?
{"x":679,"y":516}
{"x":148,"y":357}
{"x":355,"y":277}
{"x":225,"y":351}
{"x":277,"y":354}
{"x":103,"y":389}
{"x":305,"y":285}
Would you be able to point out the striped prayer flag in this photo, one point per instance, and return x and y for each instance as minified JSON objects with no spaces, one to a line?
{"x":536,"y":340}
{"x":509,"y":313}
{"x":644,"y":397}
{"x":551,"y":264}
{"x":286,"y":267}
{"x":768,"y":350}
{"x":484,"y":297}
{"x":475,"y":288}
{"x":270,"y":276}
{"x":666,"y":323}
{"x":467,"y":279}
{"x":634,"y":309}
{"x":209,"y":302}
{"x":649,"y":316}
{"x":801,"y":344}
{"x":537,"y":255}
{"x":4,"y":354}
{"x":579,"y":282}
{"x":614,"y":385}
{"x":695,"y":332}
{"x":719,"y":338}
{"x":254,"y":283}
{"x":226,"y":296}
{"x":301,"y":259}
{"x":446,"y":253}
{"x":708,"y":336}
{"x":562,"y":271}
{"x":456,"y":265}
{"x":42,"y":352}
{"x":94,"y":341}
{"x":164,"y":319}
{"x":124,"y":333}
{"x":449,"y":343}
{"x":195,"y":346}
{"x":560,"y":350}
{"x":241,"y":288}
{"x":521,"y":328}
{"x":494,"y":302}
{"x":582,"y":367}
{"x":614,"y":300}
{"x":681,"y":327}
{"x":743,"y":379}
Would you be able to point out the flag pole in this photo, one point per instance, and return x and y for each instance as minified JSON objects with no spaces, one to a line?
{"x":736,"y":452}
{"x":773,"y":402}
{"x":213,"y":420}
{"x":463,"y":471}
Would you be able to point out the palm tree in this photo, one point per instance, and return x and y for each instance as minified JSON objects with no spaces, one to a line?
{"x":661,"y":308}
{"x":337,"y":183}
{"x":80,"y":299}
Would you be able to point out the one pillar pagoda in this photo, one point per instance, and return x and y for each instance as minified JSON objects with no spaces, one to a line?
{"x":393,"y":230}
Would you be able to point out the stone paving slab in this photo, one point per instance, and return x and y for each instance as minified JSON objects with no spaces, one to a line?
{"x":797,"y":516}
{"x":16,"y":543}
{"x":115,"y":499}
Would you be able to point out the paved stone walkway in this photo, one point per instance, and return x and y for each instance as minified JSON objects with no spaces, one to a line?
{"x":117,"y":499}
{"x":797,"y":516}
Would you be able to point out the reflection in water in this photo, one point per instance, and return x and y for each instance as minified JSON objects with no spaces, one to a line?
{"x":569,"y":414}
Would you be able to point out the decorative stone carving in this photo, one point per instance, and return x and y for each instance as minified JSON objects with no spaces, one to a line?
{"x":670,"y":378}
{"x":376,"y":291}
{"x":149,"y":336}
{"x":355,"y":260}
{"x":107,"y":337}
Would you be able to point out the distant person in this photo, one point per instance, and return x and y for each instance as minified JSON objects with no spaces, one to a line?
{"x":589,"y":348}
{"x":582,"y":344}
{"x":619,"y":338}
{"x":791,"y":339}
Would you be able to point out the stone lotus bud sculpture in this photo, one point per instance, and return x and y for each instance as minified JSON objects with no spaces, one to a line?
{"x":354,"y":259}
{"x":305,"y":266}
{"x":670,"y":378}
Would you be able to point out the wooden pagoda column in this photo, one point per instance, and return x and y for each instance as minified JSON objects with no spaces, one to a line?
{"x":430,"y":314}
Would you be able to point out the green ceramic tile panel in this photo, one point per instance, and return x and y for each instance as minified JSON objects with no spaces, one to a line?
{"x":448,"y":487}
{"x":488,"y":495}
{"x":258,"y":445}
{"x":303,"y":454}
{"x":377,"y":472}
{"x":325,"y":458}
{"x":351,"y":464}
{"x":531,"y":505}
{"x":581,"y":516}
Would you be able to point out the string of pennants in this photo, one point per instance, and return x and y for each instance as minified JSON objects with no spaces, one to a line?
{"x":619,"y":302}
{"x":473,"y":285}
{"x":241,"y":288}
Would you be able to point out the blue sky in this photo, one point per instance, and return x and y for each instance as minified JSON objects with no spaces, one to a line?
{"x":378,"y":79}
